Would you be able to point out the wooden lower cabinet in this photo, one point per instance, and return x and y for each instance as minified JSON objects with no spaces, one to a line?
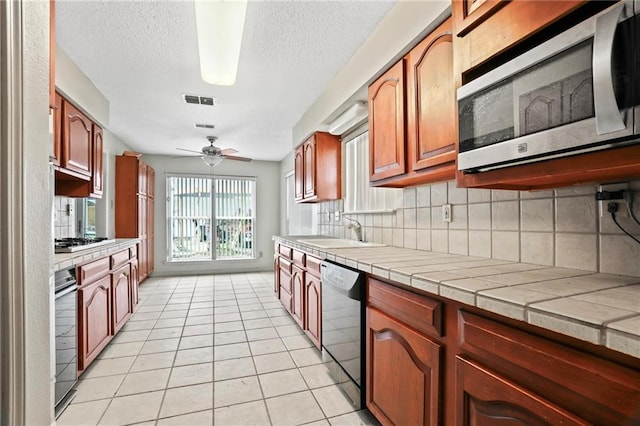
{"x":403,"y":373}
{"x":121,"y":293}
{"x":483,"y":369}
{"x":107,"y":296}
{"x":94,"y":319}
{"x":312,"y":309}
{"x":296,"y":282}
{"x":486,"y":398}
{"x":297,"y":294}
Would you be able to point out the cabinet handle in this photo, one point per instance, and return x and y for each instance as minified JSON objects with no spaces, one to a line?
{"x":607,"y":114}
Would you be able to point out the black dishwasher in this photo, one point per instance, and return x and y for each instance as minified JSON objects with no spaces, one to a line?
{"x":343,"y":317}
{"x":66,"y":303}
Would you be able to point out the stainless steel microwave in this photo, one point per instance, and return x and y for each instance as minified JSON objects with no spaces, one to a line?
{"x":577,"y":92}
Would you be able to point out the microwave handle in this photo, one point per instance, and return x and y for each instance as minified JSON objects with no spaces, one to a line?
{"x":608,"y":118}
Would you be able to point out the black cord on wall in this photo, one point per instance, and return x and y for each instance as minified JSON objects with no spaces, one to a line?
{"x":612,"y":207}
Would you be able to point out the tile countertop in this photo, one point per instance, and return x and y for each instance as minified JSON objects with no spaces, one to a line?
{"x":599,"y":308}
{"x":69,"y":260}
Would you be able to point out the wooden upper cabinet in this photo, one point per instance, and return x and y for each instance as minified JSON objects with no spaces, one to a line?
{"x":415,"y":143}
{"x":310,"y":169}
{"x":487,"y":28}
{"x":298,"y":162}
{"x":76,"y":141}
{"x":387,"y":124}
{"x":98,"y":166}
{"x":431,"y":119}
{"x":142,"y":178}
{"x":151,"y":182}
{"x":57,"y":130}
{"x":318,"y":170}
{"x":52,"y":56}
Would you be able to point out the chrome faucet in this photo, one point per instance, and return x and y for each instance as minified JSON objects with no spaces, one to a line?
{"x":357,"y":228}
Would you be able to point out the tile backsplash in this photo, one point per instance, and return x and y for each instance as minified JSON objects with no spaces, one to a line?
{"x":64,"y":224}
{"x":560,"y":227}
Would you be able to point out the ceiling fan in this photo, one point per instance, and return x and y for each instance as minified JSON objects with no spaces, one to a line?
{"x":212,"y":155}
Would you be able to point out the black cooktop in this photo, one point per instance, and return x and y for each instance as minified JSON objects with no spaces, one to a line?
{"x":67,"y":245}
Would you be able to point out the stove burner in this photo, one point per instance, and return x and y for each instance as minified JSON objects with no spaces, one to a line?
{"x":73,"y":242}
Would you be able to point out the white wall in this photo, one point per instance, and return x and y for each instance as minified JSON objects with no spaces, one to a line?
{"x":36,"y":213}
{"x":267,"y":213}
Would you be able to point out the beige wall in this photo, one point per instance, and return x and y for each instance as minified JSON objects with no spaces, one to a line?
{"x":267,"y":212}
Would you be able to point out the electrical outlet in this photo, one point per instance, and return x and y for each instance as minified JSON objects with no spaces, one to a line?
{"x":336,"y":216}
{"x":622,"y":204}
{"x":446,"y":213}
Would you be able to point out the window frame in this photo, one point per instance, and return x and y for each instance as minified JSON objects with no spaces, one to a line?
{"x":213,"y":217}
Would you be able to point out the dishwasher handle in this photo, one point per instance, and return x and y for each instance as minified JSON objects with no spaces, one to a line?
{"x":342,"y":280}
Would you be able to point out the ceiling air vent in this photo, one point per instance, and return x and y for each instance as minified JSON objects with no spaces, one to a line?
{"x":201,"y":100}
{"x":204,"y":126}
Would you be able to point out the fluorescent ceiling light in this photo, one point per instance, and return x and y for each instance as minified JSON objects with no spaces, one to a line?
{"x":352,"y":116}
{"x":220,"y":25}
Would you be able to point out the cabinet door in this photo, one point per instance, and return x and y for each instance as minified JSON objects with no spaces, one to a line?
{"x":276,"y":275}
{"x":142,"y":178}
{"x":94,"y":319}
{"x":97,"y":166}
{"x":76,"y":141}
{"x":309,"y":159}
{"x":298,"y":161}
{"x":297,"y":295}
{"x":151,"y":182}
{"x":121,"y":297}
{"x":134,"y":285}
{"x":312,"y":309}
{"x":150,"y":235}
{"x":386,"y":124}
{"x":470,"y":13}
{"x":57,"y":130}
{"x":403,"y":373}
{"x":431,"y":110}
{"x":142,"y":259}
{"x":484,"y":398}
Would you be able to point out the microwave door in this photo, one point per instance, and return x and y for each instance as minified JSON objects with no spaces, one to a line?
{"x":557,"y":99}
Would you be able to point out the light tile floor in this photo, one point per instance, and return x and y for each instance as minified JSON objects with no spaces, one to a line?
{"x":210,"y":350}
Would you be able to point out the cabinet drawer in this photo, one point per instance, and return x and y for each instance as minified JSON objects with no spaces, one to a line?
{"x":92,"y":271}
{"x":420,"y":312}
{"x":285,"y":265}
{"x":119,"y":259}
{"x":600,"y":390}
{"x":285,"y":251}
{"x":313,"y":265}
{"x":298,"y":258}
{"x":133,"y":252}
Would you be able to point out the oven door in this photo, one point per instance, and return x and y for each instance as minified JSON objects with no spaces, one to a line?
{"x":66,"y":344}
{"x":573,"y":93}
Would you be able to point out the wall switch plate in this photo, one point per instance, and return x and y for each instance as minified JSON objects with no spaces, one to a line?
{"x":622,"y":204}
{"x":336,"y":216}
{"x":446,"y":213}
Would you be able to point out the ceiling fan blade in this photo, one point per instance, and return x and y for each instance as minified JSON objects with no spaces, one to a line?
{"x":186,"y":156}
{"x":229,"y":151}
{"x":236,"y":158}
{"x":190,"y":150}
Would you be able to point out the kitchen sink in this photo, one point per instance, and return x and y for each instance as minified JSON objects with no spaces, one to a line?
{"x":338,"y":243}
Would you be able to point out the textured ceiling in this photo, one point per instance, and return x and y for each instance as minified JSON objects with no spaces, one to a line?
{"x":142,"y":55}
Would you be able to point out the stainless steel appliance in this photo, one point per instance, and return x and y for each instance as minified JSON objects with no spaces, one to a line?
{"x":575,"y":93}
{"x":342,"y":328}
{"x":72,"y":244}
{"x":65,"y":338}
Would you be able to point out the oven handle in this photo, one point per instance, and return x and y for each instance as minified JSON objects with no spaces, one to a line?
{"x":608,"y":118}
{"x":66,"y":291}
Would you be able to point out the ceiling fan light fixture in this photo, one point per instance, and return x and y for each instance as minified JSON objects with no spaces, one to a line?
{"x":211,"y":160}
{"x":220,"y":25}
